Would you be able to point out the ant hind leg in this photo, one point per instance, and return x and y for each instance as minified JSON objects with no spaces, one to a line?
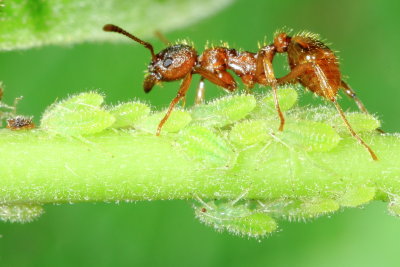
{"x":352,"y":94}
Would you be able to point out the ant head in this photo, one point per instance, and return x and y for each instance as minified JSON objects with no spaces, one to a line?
{"x":172,"y":63}
{"x":281,"y":42}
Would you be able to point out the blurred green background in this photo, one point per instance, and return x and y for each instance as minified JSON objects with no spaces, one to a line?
{"x":366,"y":32}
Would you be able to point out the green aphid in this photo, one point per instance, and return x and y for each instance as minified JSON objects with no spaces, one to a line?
{"x":287,"y":98}
{"x":357,"y":196}
{"x":308,"y":135}
{"x":237,"y":217}
{"x":314,"y":207}
{"x":300,"y":209}
{"x":250,"y":132}
{"x":176,"y":122}
{"x":127,"y":114}
{"x":76,"y":116}
{"x":205,"y":146}
{"x":360,"y":122}
{"x":20,"y":213}
{"x":224,"y":111}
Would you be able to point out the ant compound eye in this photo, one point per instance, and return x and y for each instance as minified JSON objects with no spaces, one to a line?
{"x":167,"y":62}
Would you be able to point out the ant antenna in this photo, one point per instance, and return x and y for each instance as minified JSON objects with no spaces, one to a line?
{"x":114,"y":28}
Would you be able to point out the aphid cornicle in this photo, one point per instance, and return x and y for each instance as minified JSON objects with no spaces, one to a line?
{"x":312,"y":64}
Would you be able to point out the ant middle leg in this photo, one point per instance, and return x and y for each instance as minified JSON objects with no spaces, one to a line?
{"x":181,"y":94}
{"x":264,"y":63}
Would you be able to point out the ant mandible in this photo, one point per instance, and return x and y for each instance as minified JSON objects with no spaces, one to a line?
{"x":312,"y":64}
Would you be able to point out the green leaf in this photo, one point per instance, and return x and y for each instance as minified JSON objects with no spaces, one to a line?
{"x":26,"y":24}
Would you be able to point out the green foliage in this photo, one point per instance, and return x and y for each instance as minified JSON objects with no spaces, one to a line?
{"x":26,"y":24}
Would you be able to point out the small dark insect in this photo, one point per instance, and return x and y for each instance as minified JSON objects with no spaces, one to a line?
{"x":20,"y":123}
{"x":312,"y":64}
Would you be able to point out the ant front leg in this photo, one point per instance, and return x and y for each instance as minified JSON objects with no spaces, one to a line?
{"x":181,"y":94}
{"x":200,"y":92}
{"x":264,"y":63}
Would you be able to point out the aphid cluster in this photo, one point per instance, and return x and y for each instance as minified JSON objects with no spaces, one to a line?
{"x":312,"y":64}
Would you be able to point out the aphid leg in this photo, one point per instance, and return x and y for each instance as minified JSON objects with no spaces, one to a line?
{"x":353,"y":133}
{"x":200,"y":92}
{"x":162,"y":38}
{"x":181,"y":93}
{"x":222,"y":78}
{"x":264,"y":62}
{"x":350,"y":93}
{"x":241,"y":196}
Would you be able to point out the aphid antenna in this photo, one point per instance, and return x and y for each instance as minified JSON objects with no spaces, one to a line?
{"x":114,"y":28}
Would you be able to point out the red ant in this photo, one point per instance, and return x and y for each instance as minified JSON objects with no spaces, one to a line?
{"x":312,"y":64}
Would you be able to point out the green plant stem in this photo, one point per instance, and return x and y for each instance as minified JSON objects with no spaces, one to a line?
{"x":121,"y":165}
